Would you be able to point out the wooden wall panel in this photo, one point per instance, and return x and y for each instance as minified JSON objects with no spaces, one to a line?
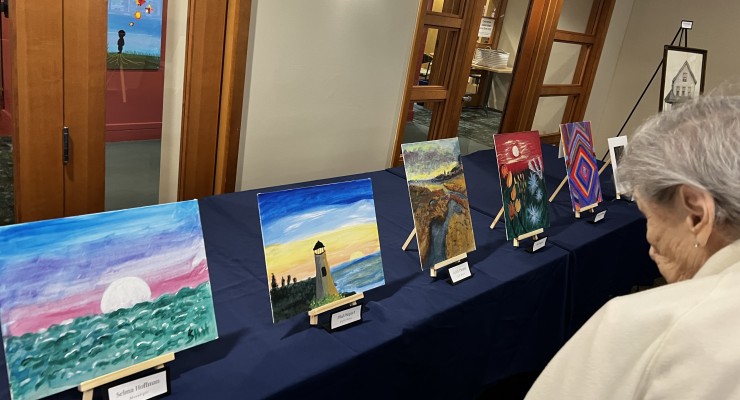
{"x":36,"y":29}
{"x":201,"y":98}
{"x":85,"y":43}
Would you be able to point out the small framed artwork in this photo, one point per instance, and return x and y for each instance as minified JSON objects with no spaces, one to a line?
{"x":683,"y":75}
{"x":617,"y":147}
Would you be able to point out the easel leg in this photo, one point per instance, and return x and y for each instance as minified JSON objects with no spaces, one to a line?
{"x":603,"y":167}
{"x":408,"y":240}
{"x":498,"y":217}
{"x":87,"y":395}
{"x":555,"y":193}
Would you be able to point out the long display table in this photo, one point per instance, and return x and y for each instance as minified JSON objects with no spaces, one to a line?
{"x":419,"y":336}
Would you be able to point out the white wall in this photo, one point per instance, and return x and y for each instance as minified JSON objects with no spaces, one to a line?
{"x":653,"y":24}
{"x":325,"y":81}
{"x":174,"y":64}
{"x":511,"y":30}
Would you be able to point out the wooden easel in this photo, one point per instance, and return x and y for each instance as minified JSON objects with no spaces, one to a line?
{"x":587,"y":208}
{"x":352,"y":300}
{"x":439,"y":265}
{"x":88,"y":387}
{"x":498,"y":217}
{"x":528,"y":235}
{"x":446,"y":263}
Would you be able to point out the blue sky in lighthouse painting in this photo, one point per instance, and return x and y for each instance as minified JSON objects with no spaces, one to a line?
{"x":342,"y":217}
{"x":84,"y":296}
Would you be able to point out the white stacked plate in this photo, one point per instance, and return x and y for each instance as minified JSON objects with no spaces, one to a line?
{"x":491,"y":58}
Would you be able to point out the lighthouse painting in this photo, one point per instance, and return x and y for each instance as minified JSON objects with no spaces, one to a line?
{"x":321,"y":244}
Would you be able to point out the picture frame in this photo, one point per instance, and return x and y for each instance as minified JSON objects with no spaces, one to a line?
{"x":617,"y":147}
{"x":683,"y":75}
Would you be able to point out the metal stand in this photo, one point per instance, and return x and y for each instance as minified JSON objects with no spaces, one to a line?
{"x":682,"y":34}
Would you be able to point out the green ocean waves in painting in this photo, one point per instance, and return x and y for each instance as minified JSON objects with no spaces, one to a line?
{"x":45,"y":362}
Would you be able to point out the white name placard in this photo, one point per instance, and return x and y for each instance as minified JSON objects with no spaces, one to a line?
{"x":486,"y":27}
{"x":144,"y":388}
{"x":460,"y":272}
{"x":347,"y":316}
{"x":600,"y":216}
{"x":538,"y":244}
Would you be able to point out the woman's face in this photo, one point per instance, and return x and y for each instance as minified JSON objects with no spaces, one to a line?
{"x":671,"y":239}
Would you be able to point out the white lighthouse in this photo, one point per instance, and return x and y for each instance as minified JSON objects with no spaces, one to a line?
{"x":324,"y":282}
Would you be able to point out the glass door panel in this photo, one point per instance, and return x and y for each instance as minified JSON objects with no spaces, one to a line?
{"x":134,"y":100}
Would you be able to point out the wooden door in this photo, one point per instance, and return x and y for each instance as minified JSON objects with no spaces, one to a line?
{"x":59,"y":54}
{"x":456,"y":26}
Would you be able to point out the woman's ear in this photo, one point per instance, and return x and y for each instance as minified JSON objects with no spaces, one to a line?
{"x":700,"y":212}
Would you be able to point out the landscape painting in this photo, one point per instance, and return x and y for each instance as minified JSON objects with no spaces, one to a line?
{"x":523,"y":190}
{"x":439,"y":200}
{"x":580,"y":164}
{"x":321,"y":244}
{"x":84,"y":296}
{"x":135,"y":34}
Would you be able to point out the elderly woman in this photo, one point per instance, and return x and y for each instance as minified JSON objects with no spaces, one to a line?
{"x":681,"y":340}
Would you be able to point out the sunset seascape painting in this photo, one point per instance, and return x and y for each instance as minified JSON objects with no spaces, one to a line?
{"x":321,"y":244}
{"x":439,"y":200}
{"x":84,"y":296}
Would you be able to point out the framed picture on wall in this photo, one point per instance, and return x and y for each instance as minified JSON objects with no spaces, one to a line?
{"x":683,"y":75}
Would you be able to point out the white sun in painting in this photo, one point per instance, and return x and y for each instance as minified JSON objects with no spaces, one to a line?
{"x":356,"y":255}
{"x":124,"y":293}
{"x":515,"y":151}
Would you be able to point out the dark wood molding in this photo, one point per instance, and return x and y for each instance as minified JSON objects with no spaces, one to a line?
{"x":201,"y":98}
{"x":215,"y":69}
{"x":232,"y":97}
{"x":528,"y":82}
{"x":531,"y":64}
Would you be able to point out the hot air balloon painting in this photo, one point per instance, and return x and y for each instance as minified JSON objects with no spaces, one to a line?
{"x":135,"y":34}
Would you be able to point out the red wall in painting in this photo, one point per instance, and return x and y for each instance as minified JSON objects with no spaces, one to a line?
{"x":134,"y":100}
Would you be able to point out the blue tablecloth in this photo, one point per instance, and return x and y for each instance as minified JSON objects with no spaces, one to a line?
{"x":419,"y":336}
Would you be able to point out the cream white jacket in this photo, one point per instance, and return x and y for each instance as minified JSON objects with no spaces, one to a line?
{"x":679,"y":341}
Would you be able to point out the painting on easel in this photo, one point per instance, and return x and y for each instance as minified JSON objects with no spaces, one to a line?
{"x":135,"y":34}
{"x":580,"y":164}
{"x":523,"y":191}
{"x":84,"y":296}
{"x":321,"y":245}
{"x":617,"y":147}
{"x":439,"y":200}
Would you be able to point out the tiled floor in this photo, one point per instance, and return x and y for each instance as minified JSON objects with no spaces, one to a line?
{"x":7,"y":216}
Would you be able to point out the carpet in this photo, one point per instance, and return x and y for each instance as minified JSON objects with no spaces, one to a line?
{"x":7,"y":213}
{"x":475,"y":124}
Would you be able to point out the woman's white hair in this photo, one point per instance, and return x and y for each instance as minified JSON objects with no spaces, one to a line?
{"x":696,"y":144}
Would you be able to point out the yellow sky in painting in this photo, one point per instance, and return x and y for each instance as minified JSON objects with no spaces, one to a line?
{"x":446,"y":167}
{"x":296,"y":258}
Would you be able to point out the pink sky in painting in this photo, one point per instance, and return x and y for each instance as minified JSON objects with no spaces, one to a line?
{"x":168,"y":279}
